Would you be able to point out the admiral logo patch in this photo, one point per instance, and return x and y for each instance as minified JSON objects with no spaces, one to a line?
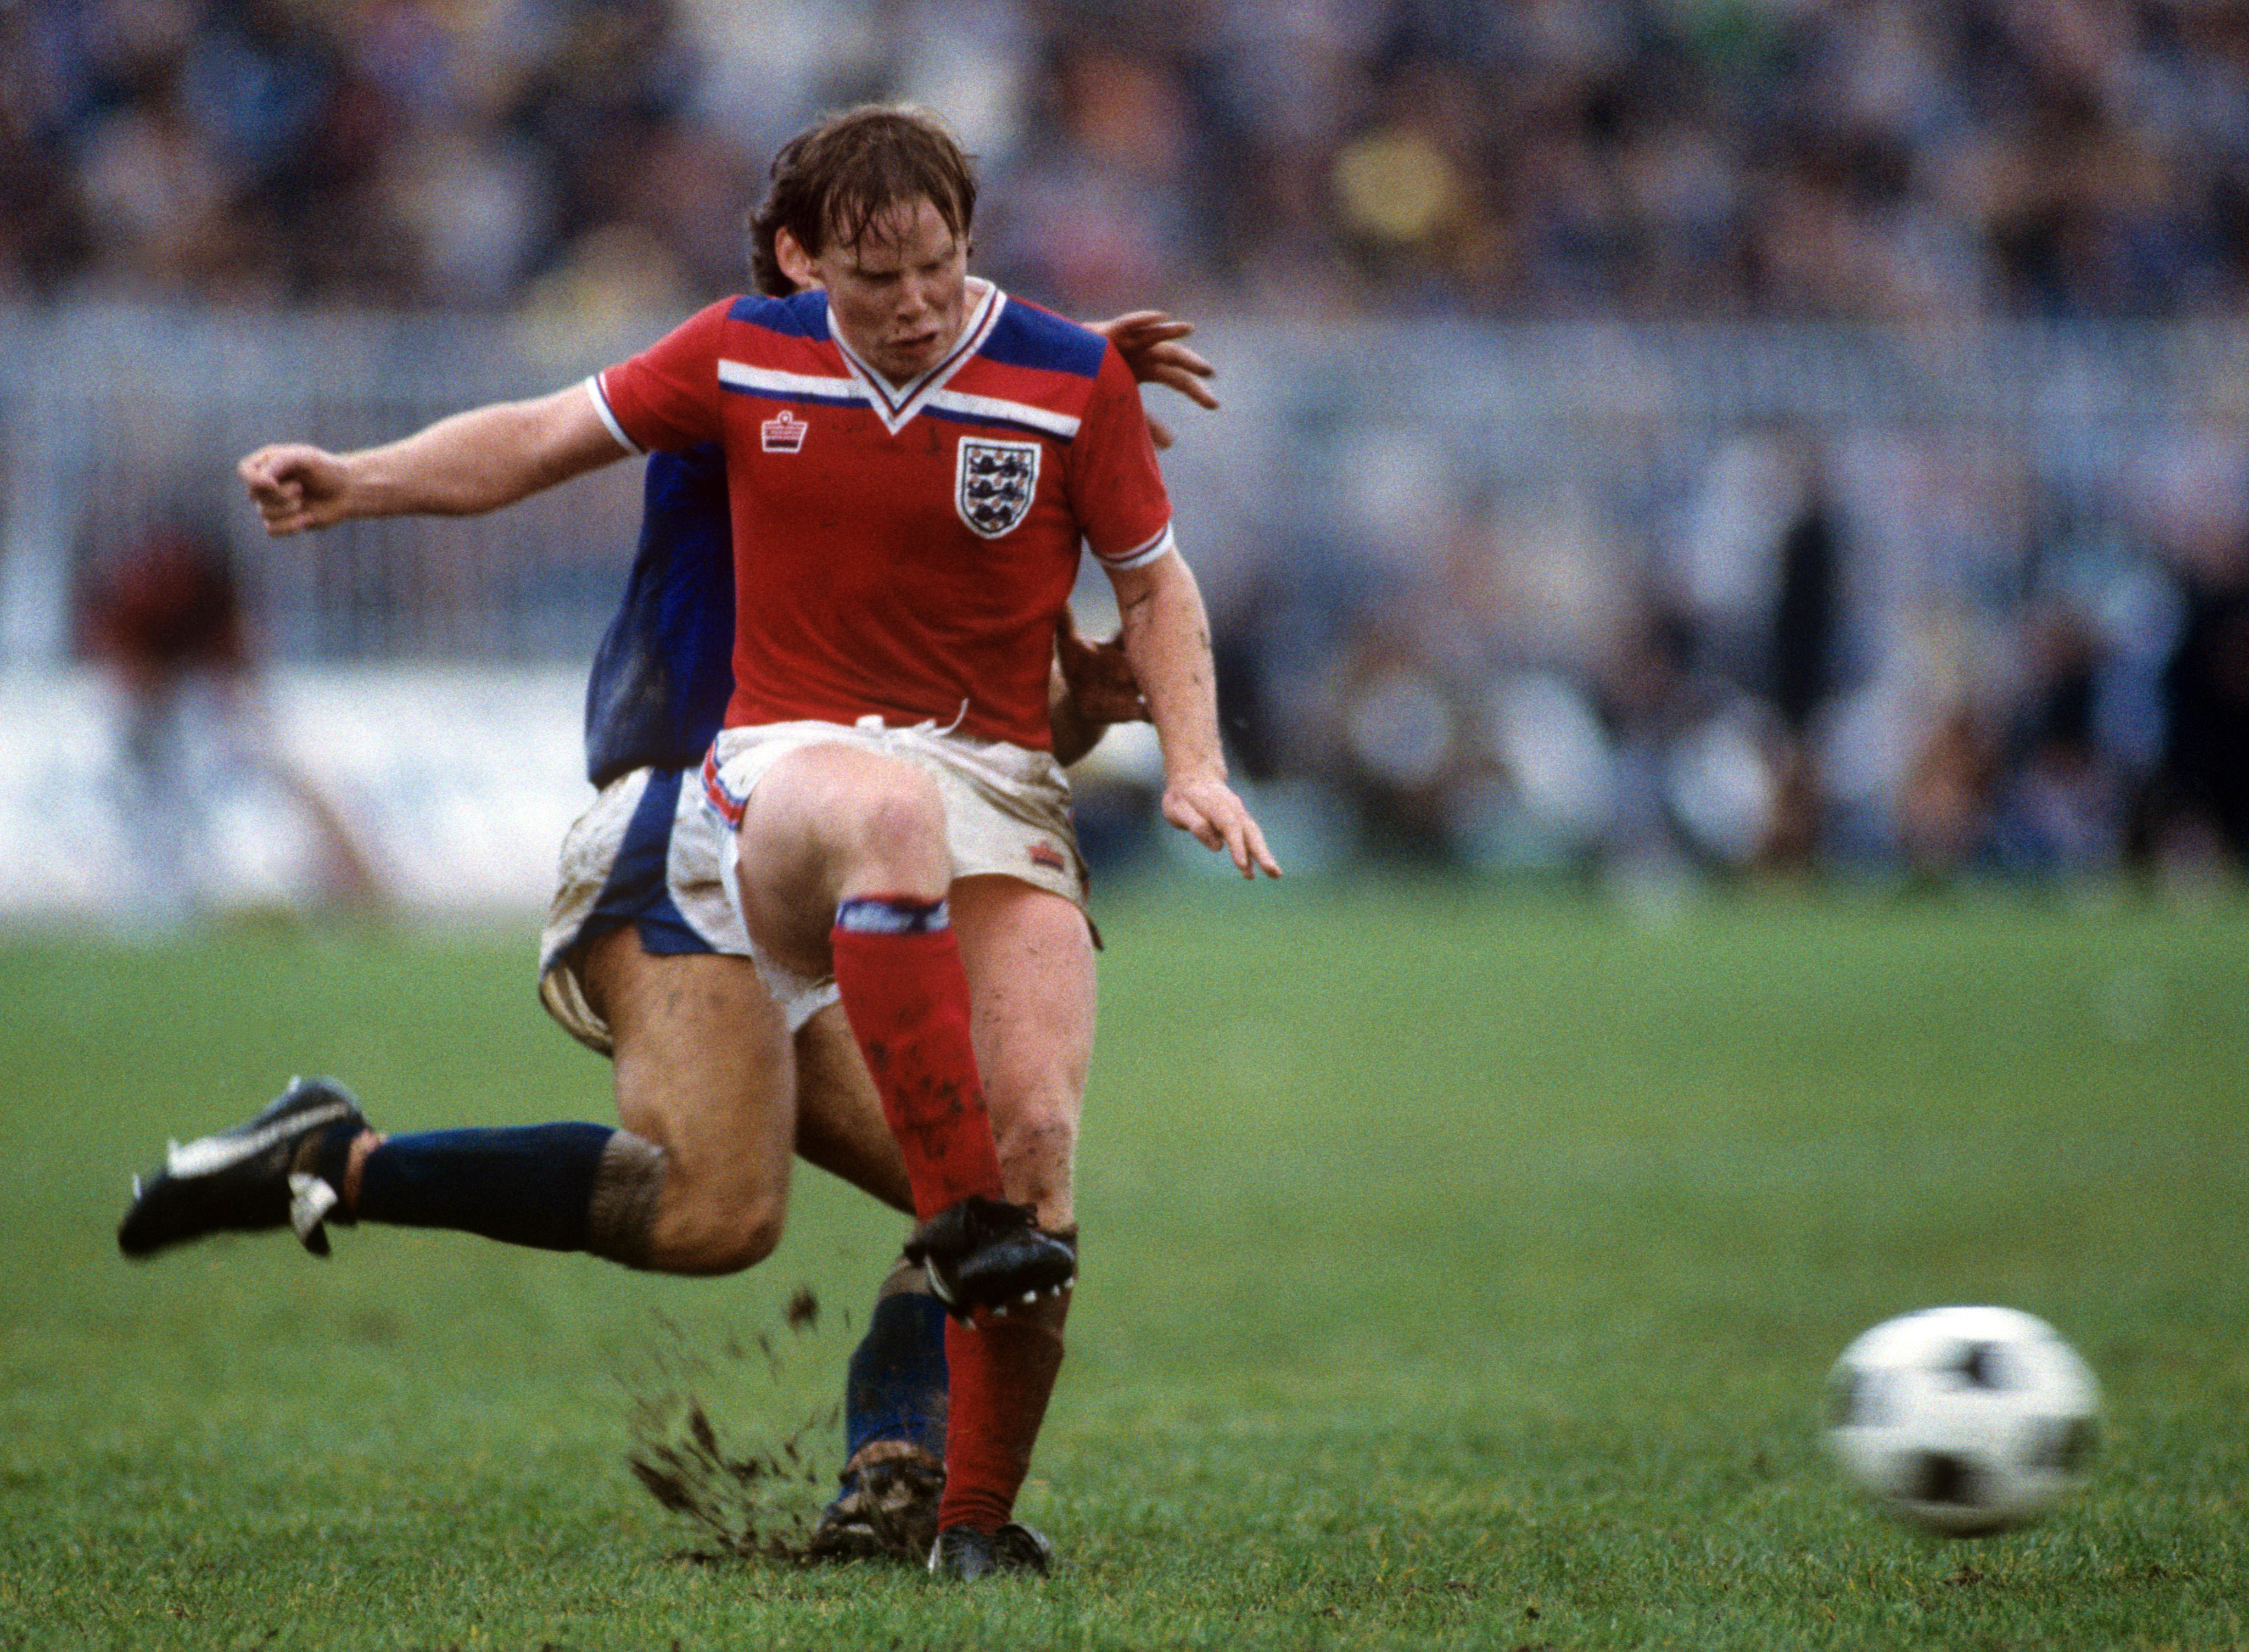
{"x":993,"y":482}
{"x":783,"y":433}
{"x":1048,"y":856}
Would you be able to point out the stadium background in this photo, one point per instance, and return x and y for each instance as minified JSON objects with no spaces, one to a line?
{"x":1664,"y":443}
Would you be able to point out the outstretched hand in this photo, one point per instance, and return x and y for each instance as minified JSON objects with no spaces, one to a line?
{"x":1150,"y":342}
{"x":1208,"y":810}
{"x":295,"y":487}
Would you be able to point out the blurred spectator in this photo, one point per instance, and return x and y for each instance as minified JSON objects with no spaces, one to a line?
{"x":2193,"y":816}
{"x":196,"y":742}
{"x":2204,"y":802}
{"x":1945,"y":804}
{"x":1402,"y":752}
{"x":2063,"y":803}
{"x":1806,"y":669}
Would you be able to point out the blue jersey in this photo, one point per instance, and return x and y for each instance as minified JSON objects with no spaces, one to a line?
{"x":664,"y":671}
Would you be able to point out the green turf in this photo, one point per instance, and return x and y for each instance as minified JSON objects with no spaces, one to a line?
{"x":1463,"y":1269}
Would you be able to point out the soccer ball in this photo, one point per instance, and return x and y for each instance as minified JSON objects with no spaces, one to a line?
{"x":1963,"y":1420}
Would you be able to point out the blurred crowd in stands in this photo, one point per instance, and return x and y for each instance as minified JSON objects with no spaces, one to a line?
{"x":1807,"y":158}
{"x":1897,"y":163}
{"x":1907,"y":657}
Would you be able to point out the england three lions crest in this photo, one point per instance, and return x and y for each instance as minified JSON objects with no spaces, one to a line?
{"x":993,"y":483}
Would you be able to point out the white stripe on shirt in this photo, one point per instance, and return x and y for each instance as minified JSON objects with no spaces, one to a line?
{"x":772,"y":382}
{"x":997,"y":410}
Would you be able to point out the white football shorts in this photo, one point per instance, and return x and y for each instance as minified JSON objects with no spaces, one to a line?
{"x":1007,"y":809}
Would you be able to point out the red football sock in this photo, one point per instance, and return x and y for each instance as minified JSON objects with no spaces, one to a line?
{"x":1001,"y":1373}
{"x":906,"y":996}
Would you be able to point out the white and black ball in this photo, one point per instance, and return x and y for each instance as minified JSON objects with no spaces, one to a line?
{"x":1964,"y":1420}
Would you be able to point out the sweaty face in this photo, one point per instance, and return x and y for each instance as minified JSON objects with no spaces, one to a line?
{"x":900,"y":293}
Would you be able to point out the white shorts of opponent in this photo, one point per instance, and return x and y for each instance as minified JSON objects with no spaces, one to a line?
{"x":647,"y":852}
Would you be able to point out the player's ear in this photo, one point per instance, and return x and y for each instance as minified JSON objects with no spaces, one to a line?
{"x":795,"y":263}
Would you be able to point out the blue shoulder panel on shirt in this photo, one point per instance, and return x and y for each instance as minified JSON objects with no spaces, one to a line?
{"x":802,"y":316}
{"x":1028,"y":336}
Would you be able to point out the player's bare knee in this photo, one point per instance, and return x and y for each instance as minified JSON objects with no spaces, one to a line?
{"x":648,"y":1213}
{"x":899,"y":826}
{"x":745,"y":1239}
{"x":719,"y":1236}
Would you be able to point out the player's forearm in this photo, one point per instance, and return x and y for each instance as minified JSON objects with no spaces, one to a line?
{"x":480,"y":460}
{"x":1166,"y":636}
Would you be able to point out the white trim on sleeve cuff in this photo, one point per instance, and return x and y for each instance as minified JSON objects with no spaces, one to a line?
{"x":601,"y":406}
{"x":1140,"y":555}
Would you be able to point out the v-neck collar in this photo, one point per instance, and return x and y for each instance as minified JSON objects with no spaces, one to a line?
{"x":895,"y":404}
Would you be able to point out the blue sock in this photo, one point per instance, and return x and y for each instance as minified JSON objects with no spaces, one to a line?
{"x":530,"y":1185}
{"x":894,"y":1387}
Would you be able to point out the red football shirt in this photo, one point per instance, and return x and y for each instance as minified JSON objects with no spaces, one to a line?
{"x":906,"y":551}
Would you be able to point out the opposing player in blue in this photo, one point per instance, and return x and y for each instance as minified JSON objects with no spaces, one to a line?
{"x":644,"y":959}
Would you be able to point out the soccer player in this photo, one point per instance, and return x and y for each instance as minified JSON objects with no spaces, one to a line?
{"x":913,"y":460}
{"x":641,"y":929}
{"x":641,"y":911}
{"x":659,"y":687}
{"x":644,"y":961}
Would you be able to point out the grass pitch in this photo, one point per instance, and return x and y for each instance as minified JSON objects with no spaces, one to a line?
{"x":1461,"y":1271}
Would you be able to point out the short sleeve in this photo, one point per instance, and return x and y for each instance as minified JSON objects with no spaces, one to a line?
{"x":667,"y":397}
{"x":1116,"y":487}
